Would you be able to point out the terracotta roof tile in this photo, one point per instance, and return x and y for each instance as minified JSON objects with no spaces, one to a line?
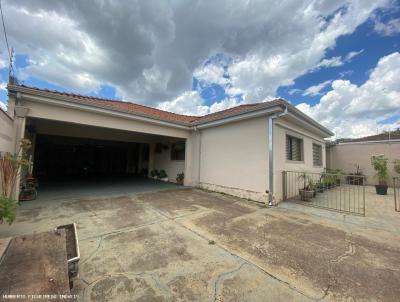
{"x":121,"y":106}
{"x":142,"y":110}
{"x":377,"y":137}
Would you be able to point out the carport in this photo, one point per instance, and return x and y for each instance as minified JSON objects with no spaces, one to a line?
{"x":72,"y":160}
{"x":83,"y":142}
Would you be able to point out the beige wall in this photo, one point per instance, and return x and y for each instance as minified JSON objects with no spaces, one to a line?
{"x":76,"y":130}
{"x":80,"y":116}
{"x":234,"y":156}
{"x":346,"y":156}
{"x":6,"y":133}
{"x":283,"y":128}
{"x":162,"y":161}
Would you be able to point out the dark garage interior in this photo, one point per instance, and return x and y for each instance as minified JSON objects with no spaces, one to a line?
{"x":60,"y":158}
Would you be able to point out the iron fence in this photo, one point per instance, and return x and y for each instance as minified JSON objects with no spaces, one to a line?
{"x":333,"y":191}
{"x":396,"y":188}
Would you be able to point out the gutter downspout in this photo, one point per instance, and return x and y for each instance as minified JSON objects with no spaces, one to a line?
{"x":271,"y":119}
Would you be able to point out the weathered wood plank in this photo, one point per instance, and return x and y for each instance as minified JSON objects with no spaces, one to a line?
{"x":35,"y":265}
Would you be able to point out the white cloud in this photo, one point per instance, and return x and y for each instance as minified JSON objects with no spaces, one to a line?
{"x":353,"y":54}
{"x":3,"y":86}
{"x":211,"y":73}
{"x":316,"y":89}
{"x":225,"y":104}
{"x":351,"y":111}
{"x":390,"y":28}
{"x":331,"y":62}
{"x":3,"y":106}
{"x":150,"y":50}
{"x":189,"y":103}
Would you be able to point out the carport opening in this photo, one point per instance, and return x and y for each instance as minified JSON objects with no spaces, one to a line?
{"x":82,"y":160}
{"x":63,"y":158}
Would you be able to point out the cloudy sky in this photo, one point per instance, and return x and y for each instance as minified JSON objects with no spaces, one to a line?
{"x":338,"y":61}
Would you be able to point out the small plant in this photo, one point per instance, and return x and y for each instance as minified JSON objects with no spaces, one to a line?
{"x":179,"y":178}
{"x":163,"y":175}
{"x":154,"y":173}
{"x":356,"y":178}
{"x":307,"y":192}
{"x":396,"y":164}
{"x":8,"y":210}
{"x":380,"y":165}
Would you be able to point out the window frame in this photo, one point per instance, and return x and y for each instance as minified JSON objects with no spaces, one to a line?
{"x":171,"y":157}
{"x":321,"y":155}
{"x":301,"y":149}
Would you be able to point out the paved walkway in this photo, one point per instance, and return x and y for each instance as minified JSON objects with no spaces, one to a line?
{"x":192,"y":245}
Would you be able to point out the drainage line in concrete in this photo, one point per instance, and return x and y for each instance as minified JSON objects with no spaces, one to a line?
{"x":237,"y":256}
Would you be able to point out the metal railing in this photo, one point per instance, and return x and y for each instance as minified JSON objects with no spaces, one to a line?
{"x":337,"y":192}
{"x":396,"y":188}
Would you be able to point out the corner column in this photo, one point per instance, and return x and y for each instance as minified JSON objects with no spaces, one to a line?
{"x":19,"y":130}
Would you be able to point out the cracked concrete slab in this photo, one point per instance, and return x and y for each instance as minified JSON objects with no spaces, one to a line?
{"x":192,"y":245}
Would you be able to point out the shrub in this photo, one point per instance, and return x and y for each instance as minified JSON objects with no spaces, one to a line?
{"x":154,"y":173}
{"x":8,"y":210}
{"x":380,"y":164}
{"x":162,"y":174}
{"x":10,"y":167}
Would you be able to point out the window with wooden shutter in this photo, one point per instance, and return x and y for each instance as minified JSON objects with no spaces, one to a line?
{"x":317,"y":155}
{"x":294,"y":148}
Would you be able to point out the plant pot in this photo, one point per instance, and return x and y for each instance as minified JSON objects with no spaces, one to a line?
{"x":165,"y":179}
{"x":306,"y":195}
{"x":179,"y":182}
{"x":381,"y":189}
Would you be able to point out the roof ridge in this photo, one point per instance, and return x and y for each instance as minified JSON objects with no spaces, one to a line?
{"x":78,"y":95}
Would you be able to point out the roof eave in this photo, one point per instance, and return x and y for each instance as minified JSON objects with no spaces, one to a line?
{"x":66,"y":101}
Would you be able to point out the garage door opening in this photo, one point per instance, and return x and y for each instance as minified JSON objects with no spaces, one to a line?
{"x":60,"y":158}
{"x":72,"y":160}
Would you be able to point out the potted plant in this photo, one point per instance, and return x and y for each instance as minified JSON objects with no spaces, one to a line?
{"x":179,"y":178}
{"x":336,"y":176}
{"x":319,"y":187}
{"x":10,"y":168}
{"x":307,"y":192}
{"x":163,"y":175}
{"x":154,"y":174}
{"x":380,"y":165}
{"x":356,"y":178}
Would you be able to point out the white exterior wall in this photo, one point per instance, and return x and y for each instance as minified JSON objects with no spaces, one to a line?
{"x":234,"y":158}
{"x":281,"y":129}
{"x":162,"y":161}
{"x":6,"y":133}
{"x":98,"y":119}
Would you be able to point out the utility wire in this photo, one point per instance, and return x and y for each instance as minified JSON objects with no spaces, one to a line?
{"x":10,"y":55}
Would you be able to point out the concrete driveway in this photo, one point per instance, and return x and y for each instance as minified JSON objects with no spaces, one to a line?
{"x":192,"y":245}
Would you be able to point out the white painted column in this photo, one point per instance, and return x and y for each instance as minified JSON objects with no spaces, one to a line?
{"x":192,"y":159}
{"x":19,"y":130}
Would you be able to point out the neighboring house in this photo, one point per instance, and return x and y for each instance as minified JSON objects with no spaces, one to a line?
{"x":241,"y":151}
{"x":6,"y":132}
{"x":349,"y":153}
